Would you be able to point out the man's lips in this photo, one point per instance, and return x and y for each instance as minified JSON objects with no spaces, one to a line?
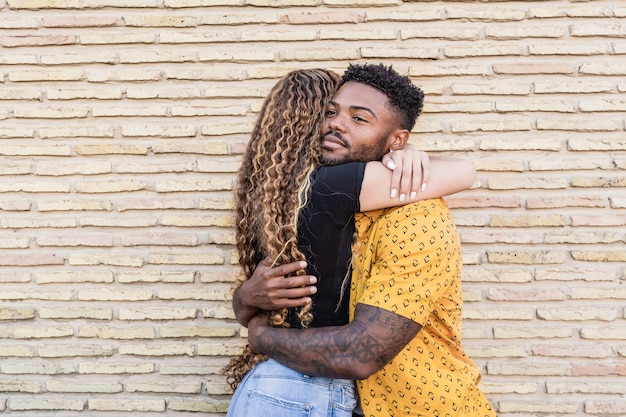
{"x":331,"y":141}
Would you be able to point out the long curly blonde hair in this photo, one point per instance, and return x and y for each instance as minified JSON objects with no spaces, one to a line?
{"x":273,"y":184}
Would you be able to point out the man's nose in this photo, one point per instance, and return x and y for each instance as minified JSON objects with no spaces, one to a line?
{"x":336,"y":123}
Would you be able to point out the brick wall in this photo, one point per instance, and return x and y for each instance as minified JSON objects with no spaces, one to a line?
{"x":122,"y":123}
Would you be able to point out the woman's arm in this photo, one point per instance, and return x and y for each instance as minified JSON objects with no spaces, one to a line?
{"x":447,"y":176}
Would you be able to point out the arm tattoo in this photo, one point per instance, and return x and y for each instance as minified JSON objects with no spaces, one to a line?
{"x":355,"y":350}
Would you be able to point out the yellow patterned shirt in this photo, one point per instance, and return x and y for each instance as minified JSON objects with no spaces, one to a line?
{"x":408,"y":261}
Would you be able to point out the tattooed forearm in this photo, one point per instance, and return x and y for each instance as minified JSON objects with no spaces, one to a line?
{"x":355,"y":350}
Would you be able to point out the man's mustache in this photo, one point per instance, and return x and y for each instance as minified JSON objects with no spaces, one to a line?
{"x":337,"y":136}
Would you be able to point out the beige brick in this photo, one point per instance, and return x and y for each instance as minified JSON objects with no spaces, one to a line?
{"x":24,"y":404}
{"x":61,"y":21}
{"x":211,"y":184}
{"x":206,"y":147}
{"x":188,"y":368}
{"x":155,"y":276}
{"x":227,"y":203}
{"x":63,"y":74}
{"x":531,"y":333}
{"x":203,"y":406}
{"x":135,"y":110}
{"x":220,"y":293}
{"x":145,"y":405}
{"x":154,"y":204}
{"x":16,"y":351}
{"x":605,"y":332}
{"x":544,"y":294}
{"x":161,"y":21}
{"x":577,"y":314}
{"x":590,"y":49}
{"x":172,"y":258}
{"x":572,"y":86}
{"x":537,"y":406}
{"x":602,"y":68}
{"x":476,"y":49}
{"x":527,"y":257}
{"x":44,"y":4}
{"x":174,"y":131}
{"x":555,"y":220}
{"x":154,"y":56}
{"x":86,"y":93}
{"x":20,"y":386}
{"x":527,"y":369}
{"x":17,"y":21}
{"x":159,"y":239}
{"x":54,"y":168}
{"x":101,"y":131}
{"x":114,"y":368}
{"x":486,"y":275}
{"x":29,"y":150}
{"x":36,"y":367}
{"x":75,"y":205}
{"x":508,"y":387}
{"x":157,"y":313}
{"x":116,"y":222}
{"x":109,"y":294}
{"x":483,"y":124}
{"x":112,"y":259}
{"x":70,"y":276}
{"x":157,"y":350}
{"x":533,"y":68}
{"x":36,"y":40}
{"x":497,"y":352}
{"x":91,"y":387}
{"x":29,"y":260}
{"x":379,"y":52}
{"x":599,"y":144}
{"x":74,"y":313}
{"x":99,"y":38}
{"x":119,"y":3}
{"x":91,"y":187}
{"x":184,"y":332}
{"x":22,"y":276}
{"x":15,"y":242}
{"x":112,"y":149}
{"x":124,"y":74}
{"x":21,"y":94}
{"x":11,"y":313}
{"x":583,"y":237}
{"x":80,"y":58}
{"x":456,"y":33}
{"x":573,"y":274}
{"x":64,"y":350}
{"x":36,"y":332}
{"x":196,"y":221}
{"x":108,"y":332}
{"x":498,"y":314}
{"x":527,"y":183}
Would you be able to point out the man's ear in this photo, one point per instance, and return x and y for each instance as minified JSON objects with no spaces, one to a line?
{"x":399,"y":139}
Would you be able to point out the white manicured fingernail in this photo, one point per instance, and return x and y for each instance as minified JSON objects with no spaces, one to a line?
{"x":393,"y":193}
{"x":413,"y":194}
{"x":423,"y":186}
{"x":391,"y":165}
{"x":402,"y":196}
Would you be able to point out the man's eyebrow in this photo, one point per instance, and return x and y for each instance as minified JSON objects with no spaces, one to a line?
{"x":354,"y":108}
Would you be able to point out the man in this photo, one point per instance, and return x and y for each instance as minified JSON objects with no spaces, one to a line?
{"x":403,"y":340}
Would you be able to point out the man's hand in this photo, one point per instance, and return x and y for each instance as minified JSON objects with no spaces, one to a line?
{"x":411,"y":171}
{"x":269,"y":288}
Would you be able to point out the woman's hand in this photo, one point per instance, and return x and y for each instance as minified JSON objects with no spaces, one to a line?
{"x":411,"y":171}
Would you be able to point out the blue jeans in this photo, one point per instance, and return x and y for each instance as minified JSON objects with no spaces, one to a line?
{"x":273,"y":390}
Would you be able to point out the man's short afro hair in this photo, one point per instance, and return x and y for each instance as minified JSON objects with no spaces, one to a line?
{"x":407,"y":98}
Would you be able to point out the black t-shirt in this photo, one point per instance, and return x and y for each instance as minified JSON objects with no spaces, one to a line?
{"x":325,"y":233}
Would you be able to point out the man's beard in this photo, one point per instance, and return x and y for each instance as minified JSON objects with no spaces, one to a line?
{"x":365,"y":153}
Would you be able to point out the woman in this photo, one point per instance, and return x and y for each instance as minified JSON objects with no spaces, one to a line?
{"x":288,"y":209}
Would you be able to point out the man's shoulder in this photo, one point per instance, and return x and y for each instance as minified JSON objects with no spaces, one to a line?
{"x":411,"y":213}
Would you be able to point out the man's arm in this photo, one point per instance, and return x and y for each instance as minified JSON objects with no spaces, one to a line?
{"x":355,"y":350}
{"x":270,"y":289}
